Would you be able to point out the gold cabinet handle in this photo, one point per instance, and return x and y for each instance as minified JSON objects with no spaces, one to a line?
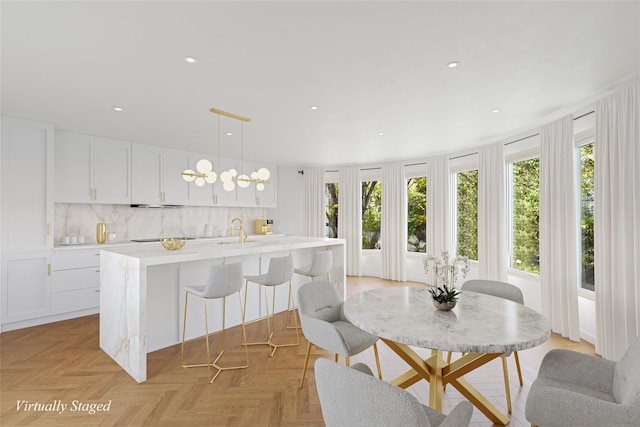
{"x":48,"y":229}
{"x":49,"y":269}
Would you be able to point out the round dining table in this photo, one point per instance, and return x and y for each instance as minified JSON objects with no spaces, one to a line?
{"x":483,"y":327}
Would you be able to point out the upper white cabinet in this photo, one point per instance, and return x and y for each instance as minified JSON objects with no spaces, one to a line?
{"x":178,"y":191}
{"x":147,"y":174}
{"x":249,"y":196}
{"x":27,"y":218}
{"x":157,"y":177}
{"x":92,"y":169}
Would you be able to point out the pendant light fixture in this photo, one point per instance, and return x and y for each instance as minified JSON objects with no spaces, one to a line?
{"x":205,"y":173}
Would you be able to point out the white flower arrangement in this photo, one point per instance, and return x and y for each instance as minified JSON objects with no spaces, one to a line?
{"x":446,"y":268}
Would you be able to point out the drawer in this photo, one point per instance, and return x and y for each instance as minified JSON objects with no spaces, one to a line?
{"x":64,"y":260}
{"x":69,"y":280}
{"x":65,"y":302}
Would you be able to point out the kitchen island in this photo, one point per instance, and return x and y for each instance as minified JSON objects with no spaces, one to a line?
{"x":141,"y":299}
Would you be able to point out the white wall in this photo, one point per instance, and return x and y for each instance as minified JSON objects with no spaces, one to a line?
{"x":288,"y":216}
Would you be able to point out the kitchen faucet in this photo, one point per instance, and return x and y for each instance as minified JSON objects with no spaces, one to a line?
{"x":242,"y":237}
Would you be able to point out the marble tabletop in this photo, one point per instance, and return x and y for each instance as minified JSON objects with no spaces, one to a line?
{"x":478,"y":324}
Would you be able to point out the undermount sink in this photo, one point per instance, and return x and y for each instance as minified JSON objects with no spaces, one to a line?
{"x":234,"y":241}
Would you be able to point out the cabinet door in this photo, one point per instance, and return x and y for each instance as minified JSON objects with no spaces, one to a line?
{"x":27,"y":186}
{"x":176,"y":189}
{"x":146,"y":174}
{"x":246,"y":196}
{"x":267,"y":197}
{"x":200,"y":196}
{"x":221,"y":196}
{"x":112,"y":171}
{"x":26,"y":290}
{"x":73,"y":167}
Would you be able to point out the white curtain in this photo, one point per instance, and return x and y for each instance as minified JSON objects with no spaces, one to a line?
{"x":350,"y":217}
{"x":394,"y":223}
{"x":559,"y":227}
{"x":438,"y":229}
{"x":314,"y":206}
{"x":617,"y":221}
{"x":492,"y":216}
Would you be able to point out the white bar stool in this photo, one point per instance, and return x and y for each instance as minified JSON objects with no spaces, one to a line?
{"x":280,"y":272}
{"x":321,"y":265}
{"x":223,"y":281}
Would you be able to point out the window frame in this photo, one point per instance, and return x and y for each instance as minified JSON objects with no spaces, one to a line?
{"x":461,"y":163}
{"x":366,"y":175}
{"x":519,"y":156}
{"x":581,"y":139}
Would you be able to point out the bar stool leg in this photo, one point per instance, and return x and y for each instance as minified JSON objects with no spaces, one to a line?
{"x":271,"y":317}
{"x":209,"y":363}
{"x":291,"y":308}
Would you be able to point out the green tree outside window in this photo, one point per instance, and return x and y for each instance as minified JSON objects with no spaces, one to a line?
{"x":417,"y":214}
{"x":526,"y":216}
{"x":467,"y":214}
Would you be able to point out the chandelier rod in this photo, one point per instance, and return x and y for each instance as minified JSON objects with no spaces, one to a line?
{"x":233,"y":116}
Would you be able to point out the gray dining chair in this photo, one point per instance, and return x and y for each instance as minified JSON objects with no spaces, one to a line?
{"x":324,"y":325}
{"x":506,"y":291}
{"x":577,"y":389}
{"x":354,"y":397}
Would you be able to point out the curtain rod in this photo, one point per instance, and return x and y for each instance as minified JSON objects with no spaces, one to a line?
{"x":536,"y":134}
{"x":463,"y":155}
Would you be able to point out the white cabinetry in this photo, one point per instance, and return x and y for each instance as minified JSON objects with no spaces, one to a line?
{"x":75,"y":280}
{"x":27,"y":217}
{"x":178,"y":191}
{"x":147,"y":169}
{"x":157,"y":177}
{"x":92,"y":169}
{"x":249,"y":196}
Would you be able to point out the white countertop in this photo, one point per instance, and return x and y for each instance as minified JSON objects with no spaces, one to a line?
{"x":154,"y":254}
{"x":123,"y":243}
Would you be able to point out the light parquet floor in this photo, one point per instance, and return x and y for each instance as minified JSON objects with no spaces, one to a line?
{"x":61,"y":363}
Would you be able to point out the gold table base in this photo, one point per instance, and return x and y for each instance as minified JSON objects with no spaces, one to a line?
{"x":438,"y":372}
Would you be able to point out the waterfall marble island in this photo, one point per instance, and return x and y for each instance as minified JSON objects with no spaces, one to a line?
{"x":142,"y":300}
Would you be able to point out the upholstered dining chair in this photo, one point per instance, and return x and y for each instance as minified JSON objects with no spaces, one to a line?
{"x":577,"y":389}
{"x":506,"y":291}
{"x":324,"y":325}
{"x":353,"y":397}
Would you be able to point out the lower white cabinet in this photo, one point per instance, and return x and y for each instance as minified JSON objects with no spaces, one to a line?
{"x":75,"y":280}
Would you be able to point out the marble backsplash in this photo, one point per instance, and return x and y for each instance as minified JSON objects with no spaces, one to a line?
{"x":72,"y":219}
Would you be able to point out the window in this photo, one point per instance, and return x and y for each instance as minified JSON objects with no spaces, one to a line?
{"x":525,"y":215}
{"x":331,"y":208}
{"x":467,"y":213}
{"x":371,"y":213}
{"x":587,"y":280}
{"x":416,"y":214}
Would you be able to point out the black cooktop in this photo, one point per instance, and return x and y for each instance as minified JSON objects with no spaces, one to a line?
{"x":157,"y":239}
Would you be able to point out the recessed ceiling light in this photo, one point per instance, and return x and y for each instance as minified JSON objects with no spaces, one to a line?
{"x":313,"y":107}
{"x":453,"y":64}
{"x":117,"y":108}
{"x":495,"y":110}
{"x":190,"y":59}
{"x":228,"y":134}
{"x":380,"y":133}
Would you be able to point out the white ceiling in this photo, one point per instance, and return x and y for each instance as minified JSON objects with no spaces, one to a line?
{"x":369,"y":66}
